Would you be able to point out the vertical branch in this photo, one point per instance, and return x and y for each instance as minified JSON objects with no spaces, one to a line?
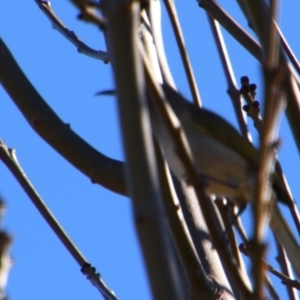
{"x":272,"y":47}
{"x":286,"y":269}
{"x":233,"y":91}
{"x":154,"y":15}
{"x":183,"y":52}
{"x":8,"y":156}
{"x":122,"y":41}
{"x":269,"y":39}
{"x":243,"y":37}
{"x":261,"y":207}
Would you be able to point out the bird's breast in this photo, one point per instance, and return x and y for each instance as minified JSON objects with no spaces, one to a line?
{"x":223,"y":171}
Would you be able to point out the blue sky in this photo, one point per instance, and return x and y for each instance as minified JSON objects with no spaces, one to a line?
{"x":99,"y":221}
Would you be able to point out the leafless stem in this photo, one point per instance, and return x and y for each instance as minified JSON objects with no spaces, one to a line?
{"x":247,"y":250}
{"x":70,"y":35}
{"x":286,"y":269}
{"x":273,"y":108}
{"x":227,"y":218}
{"x":122,"y":42}
{"x":9,"y":158}
{"x":288,"y":50}
{"x":272,"y":47}
{"x":293,"y":108}
{"x":220,"y":15}
{"x":232,"y":89}
{"x":96,"y":166}
{"x":154,"y":15}
{"x":253,"y":111}
{"x":170,"y":5}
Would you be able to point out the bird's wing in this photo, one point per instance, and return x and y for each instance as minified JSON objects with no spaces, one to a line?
{"x":224,"y":132}
{"x":211,"y":124}
{"x":221,"y":130}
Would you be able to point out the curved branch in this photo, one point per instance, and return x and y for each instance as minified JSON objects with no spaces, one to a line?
{"x":70,"y":35}
{"x":234,"y":29}
{"x":99,"y":168}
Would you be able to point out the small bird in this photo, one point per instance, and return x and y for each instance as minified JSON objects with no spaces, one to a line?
{"x":227,"y":163}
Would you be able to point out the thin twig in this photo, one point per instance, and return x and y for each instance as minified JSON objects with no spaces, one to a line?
{"x":232,"y":89}
{"x":242,"y":36}
{"x":284,"y":279}
{"x":286,"y":269}
{"x":247,"y":250}
{"x":289,"y":197}
{"x":9,"y":158}
{"x":154,"y":16}
{"x":293,"y":108}
{"x":227,"y":217}
{"x":289,"y":52}
{"x":70,"y":35}
{"x":253,"y":111}
{"x":272,"y":48}
{"x":171,"y":9}
{"x":261,"y":208}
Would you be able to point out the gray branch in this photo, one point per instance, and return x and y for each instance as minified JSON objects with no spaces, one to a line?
{"x":98,"y":167}
{"x":68,"y":34}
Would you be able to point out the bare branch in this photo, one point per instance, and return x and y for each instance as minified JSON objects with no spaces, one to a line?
{"x":122,"y":42}
{"x":286,"y":269}
{"x":220,"y":15}
{"x":170,"y":5}
{"x":9,"y":158}
{"x":154,"y":15}
{"x":98,"y":167}
{"x":288,"y":50}
{"x":70,"y":35}
{"x":232,"y":90}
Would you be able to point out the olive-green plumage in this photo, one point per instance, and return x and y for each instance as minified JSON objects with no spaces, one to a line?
{"x":223,"y":132}
{"x":226,"y":162}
